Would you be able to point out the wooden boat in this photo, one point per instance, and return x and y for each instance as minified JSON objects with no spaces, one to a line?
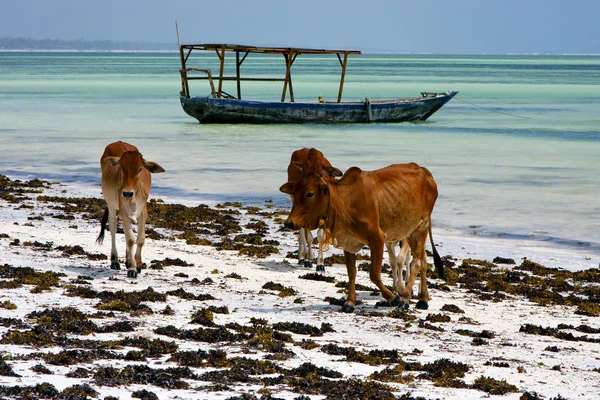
{"x":221,"y":107}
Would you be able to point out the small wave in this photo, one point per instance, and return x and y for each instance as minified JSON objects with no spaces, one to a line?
{"x":542,"y":237}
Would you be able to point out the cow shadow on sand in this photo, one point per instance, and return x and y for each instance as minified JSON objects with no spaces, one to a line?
{"x":280,"y":266}
{"x":93,"y":271}
{"x":368,"y":301}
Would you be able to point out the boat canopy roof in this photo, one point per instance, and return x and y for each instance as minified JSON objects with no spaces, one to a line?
{"x":241,"y":52}
{"x":261,"y":49}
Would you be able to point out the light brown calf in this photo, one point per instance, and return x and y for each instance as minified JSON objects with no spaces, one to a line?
{"x":305,"y":238}
{"x":371,"y":208}
{"x":126,"y":182}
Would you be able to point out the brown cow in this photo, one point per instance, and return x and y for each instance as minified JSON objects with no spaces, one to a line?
{"x":294,"y":170}
{"x":371,"y":208}
{"x":126,"y":182}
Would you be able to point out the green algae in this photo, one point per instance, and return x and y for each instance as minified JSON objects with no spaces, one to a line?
{"x":493,"y":386}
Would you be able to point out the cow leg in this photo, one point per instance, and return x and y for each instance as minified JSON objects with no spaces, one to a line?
{"x":301,"y":246}
{"x":350,"y":259}
{"x":423,"y":303}
{"x":309,"y":253}
{"x":320,"y":260}
{"x":402,"y":269}
{"x":404,"y":259}
{"x":396,"y":273}
{"x":112,"y":225}
{"x":376,"y":245}
{"x":129,"y":243}
{"x":419,"y":267}
{"x":141,"y":238}
{"x":407,"y":263}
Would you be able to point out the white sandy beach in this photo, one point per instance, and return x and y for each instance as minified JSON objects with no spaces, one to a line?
{"x":520,"y":359}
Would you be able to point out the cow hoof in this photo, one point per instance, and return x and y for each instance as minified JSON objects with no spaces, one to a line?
{"x":301,"y":261}
{"x":320,"y":268}
{"x":396,"y":302}
{"x":348,"y":308}
{"x":422,"y":305}
{"x":307,"y":264}
{"x":132,"y":273}
{"x":138,"y":269}
{"x":400,"y":304}
{"x":115,"y":265}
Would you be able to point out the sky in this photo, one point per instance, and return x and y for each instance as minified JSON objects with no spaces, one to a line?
{"x":416,"y":26}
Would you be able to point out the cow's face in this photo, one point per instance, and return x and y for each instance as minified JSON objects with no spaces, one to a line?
{"x":131,"y":166}
{"x":310,"y":200}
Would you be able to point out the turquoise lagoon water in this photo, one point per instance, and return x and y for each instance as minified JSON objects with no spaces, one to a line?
{"x":516,"y":154}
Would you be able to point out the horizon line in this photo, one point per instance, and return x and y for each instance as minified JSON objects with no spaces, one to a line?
{"x":371,"y":52}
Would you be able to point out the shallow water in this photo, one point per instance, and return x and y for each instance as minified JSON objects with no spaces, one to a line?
{"x":516,"y":154}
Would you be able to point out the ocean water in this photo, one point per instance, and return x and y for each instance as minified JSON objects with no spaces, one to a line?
{"x":516,"y":154}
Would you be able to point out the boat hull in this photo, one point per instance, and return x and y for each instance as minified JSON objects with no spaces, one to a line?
{"x":214,"y":110}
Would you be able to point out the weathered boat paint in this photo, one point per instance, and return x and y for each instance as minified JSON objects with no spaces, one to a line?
{"x":220,"y":110}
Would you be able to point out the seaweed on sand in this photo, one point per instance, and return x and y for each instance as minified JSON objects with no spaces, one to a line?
{"x":207,"y":335}
{"x":301,"y":328}
{"x":170,"y":378}
{"x":241,"y":369}
{"x":443,"y":372}
{"x":493,"y":386}
{"x":28,"y":276}
{"x":557,"y":333}
{"x":283,"y":290}
{"x":373,"y":357}
{"x":200,"y":358}
{"x":197,"y":220}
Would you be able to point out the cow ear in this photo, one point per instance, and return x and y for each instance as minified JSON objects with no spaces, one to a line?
{"x":114,"y":161}
{"x":287,"y":188}
{"x":333,"y":171}
{"x":324,"y":188}
{"x":153,"y":167}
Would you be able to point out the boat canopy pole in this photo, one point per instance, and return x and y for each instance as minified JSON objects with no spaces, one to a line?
{"x":221,"y":70}
{"x":185,"y":86}
{"x":185,"y":91}
{"x":289,"y":60}
{"x":292,"y":99}
{"x":237,"y":74}
{"x":238,"y":64}
{"x":343,"y":75}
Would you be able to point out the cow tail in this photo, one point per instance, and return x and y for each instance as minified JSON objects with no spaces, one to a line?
{"x":100,"y":237}
{"x":327,"y":238}
{"x":439,"y":266}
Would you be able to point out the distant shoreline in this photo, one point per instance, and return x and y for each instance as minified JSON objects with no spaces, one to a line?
{"x":28,"y":50}
{"x":82,"y":51}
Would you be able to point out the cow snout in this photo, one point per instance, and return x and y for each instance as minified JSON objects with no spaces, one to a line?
{"x":128,"y":194}
{"x":288,"y":225}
